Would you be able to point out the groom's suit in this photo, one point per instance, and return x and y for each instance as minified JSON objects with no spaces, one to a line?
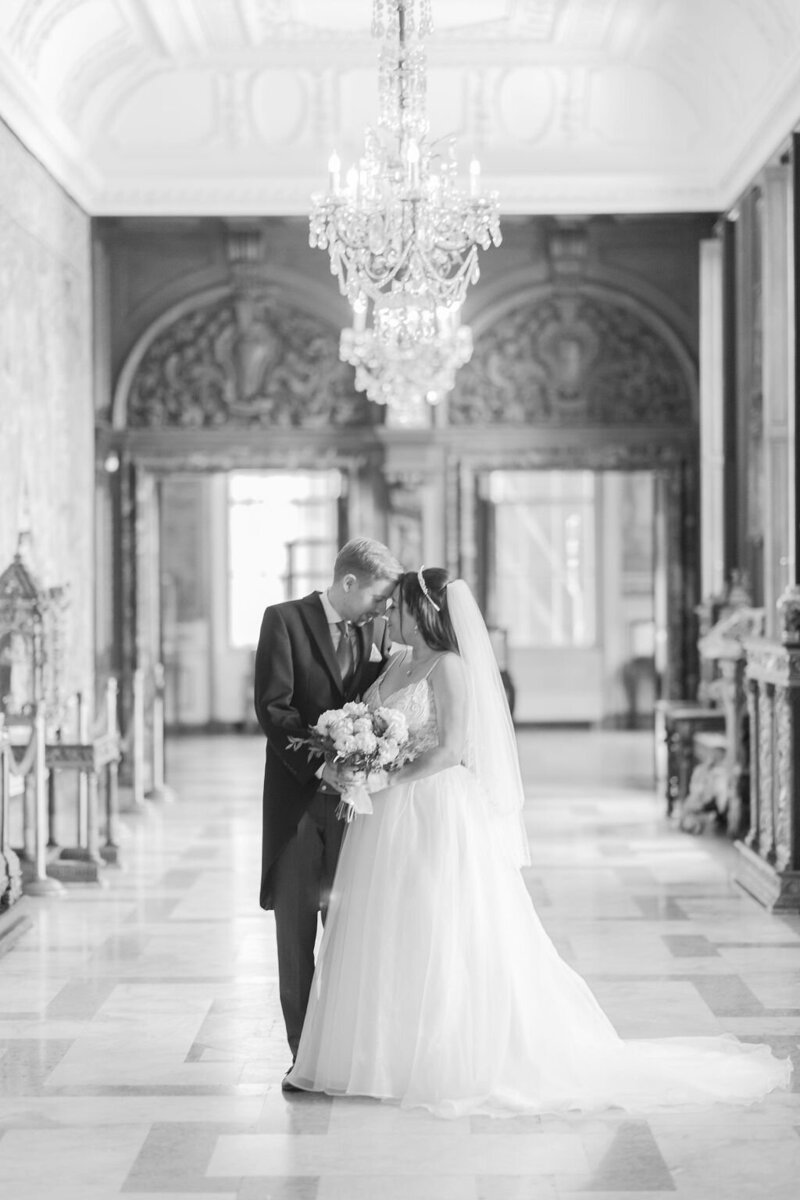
{"x":298,"y":677}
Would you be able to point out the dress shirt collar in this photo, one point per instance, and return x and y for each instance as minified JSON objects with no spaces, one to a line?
{"x":331,"y":615}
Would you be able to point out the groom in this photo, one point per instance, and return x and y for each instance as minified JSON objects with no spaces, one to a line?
{"x":313,"y":654}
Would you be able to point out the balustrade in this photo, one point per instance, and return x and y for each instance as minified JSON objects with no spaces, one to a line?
{"x":769,"y":855}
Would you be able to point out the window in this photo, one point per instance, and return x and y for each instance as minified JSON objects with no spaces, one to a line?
{"x":282,"y":539}
{"x":544,"y":556}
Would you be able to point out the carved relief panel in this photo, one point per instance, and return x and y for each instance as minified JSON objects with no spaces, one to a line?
{"x":567,"y":359}
{"x":248,"y":359}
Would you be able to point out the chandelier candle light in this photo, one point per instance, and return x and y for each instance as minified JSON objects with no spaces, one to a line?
{"x":402,"y":233}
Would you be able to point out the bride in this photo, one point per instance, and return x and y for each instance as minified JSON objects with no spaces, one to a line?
{"x":436,"y":984}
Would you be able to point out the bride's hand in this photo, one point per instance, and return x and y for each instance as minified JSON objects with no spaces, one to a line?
{"x":345,"y":776}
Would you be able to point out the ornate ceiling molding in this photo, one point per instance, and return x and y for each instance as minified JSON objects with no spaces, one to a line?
{"x":144,"y":107}
{"x":539,"y":195}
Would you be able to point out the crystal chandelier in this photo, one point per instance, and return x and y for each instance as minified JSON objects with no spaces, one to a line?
{"x":410,"y":354}
{"x":400,"y":223}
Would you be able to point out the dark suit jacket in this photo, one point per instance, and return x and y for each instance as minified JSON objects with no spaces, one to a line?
{"x":297,"y":678}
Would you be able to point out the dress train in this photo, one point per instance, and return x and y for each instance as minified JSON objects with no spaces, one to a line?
{"x":438,"y":987}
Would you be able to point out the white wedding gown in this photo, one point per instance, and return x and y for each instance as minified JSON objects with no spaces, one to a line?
{"x":437,"y":986}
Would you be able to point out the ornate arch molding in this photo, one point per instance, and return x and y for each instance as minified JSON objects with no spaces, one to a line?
{"x":594,"y":355}
{"x":259,"y":356}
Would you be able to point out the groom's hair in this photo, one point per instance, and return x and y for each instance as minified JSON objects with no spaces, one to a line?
{"x":366,"y":559}
{"x":429,"y":607}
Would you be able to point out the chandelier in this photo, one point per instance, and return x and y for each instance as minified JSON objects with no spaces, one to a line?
{"x":402,"y":233}
{"x":410,"y":354}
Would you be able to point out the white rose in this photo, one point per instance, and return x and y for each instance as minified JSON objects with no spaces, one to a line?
{"x":388,"y":750}
{"x":365,"y":741}
{"x":346,"y":745}
{"x":327,"y":719}
{"x":341,"y":727}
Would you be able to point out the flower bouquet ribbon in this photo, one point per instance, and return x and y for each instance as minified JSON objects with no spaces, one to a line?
{"x":366,"y":743}
{"x":355,"y":799}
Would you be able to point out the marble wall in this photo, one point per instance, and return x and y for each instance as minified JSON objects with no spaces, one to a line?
{"x":46,"y":407}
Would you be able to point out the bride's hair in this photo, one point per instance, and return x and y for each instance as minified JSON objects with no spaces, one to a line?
{"x":428,"y":606}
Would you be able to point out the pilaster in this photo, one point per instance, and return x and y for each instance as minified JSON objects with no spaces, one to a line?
{"x":779,"y":386}
{"x":712,"y":425}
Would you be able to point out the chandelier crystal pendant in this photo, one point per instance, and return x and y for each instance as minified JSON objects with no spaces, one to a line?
{"x":400,"y":221}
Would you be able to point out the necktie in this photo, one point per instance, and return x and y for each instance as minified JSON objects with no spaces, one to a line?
{"x":345,"y":652}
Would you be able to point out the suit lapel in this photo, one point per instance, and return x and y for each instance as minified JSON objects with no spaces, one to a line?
{"x":367,"y":671}
{"x":317,"y":625}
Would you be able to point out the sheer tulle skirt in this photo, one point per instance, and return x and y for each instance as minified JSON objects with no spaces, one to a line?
{"x":438,"y":987}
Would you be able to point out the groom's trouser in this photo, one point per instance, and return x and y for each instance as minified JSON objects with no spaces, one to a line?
{"x":301,"y":884}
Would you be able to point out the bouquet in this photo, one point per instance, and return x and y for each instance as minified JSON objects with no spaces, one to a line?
{"x":361,"y":741}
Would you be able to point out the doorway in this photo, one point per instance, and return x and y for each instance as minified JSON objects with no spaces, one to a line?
{"x":571,"y":580}
{"x":233,"y":542}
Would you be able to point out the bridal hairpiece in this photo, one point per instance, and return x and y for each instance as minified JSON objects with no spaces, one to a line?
{"x":425,"y":591}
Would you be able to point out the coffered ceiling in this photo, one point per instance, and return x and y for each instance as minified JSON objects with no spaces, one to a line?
{"x":233,"y":106}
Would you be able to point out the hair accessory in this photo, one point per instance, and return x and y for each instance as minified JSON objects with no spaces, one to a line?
{"x":423,"y":585}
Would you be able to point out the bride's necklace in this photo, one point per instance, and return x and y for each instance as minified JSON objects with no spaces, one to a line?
{"x":416,"y":663}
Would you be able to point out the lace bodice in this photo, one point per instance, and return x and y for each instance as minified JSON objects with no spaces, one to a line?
{"x":415,"y":701}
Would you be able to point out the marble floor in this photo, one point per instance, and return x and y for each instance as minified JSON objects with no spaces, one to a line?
{"x":141,"y":1046}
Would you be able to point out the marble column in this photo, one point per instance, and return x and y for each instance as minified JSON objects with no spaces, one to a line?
{"x":414,"y":477}
{"x":712,"y":448}
{"x":779,"y":387}
{"x":467,"y":525}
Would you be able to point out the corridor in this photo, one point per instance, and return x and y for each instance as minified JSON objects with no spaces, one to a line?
{"x":141,"y":1043}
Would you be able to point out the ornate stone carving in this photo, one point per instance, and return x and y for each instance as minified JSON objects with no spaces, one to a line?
{"x":769,"y":662}
{"x":789,"y":609}
{"x":751,"y":688}
{"x":247,"y":360}
{"x":31,"y":641}
{"x":726,"y":638}
{"x":568,"y":359}
{"x":769,"y":864}
{"x":568,"y":245}
{"x":784,"y":792}
{"x":766,"y":815}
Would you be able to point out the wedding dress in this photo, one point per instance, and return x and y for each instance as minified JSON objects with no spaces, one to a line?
{"x":438,"y":987}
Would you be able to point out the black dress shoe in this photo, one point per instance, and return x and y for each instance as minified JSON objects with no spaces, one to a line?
{"x":287,"y":1085}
